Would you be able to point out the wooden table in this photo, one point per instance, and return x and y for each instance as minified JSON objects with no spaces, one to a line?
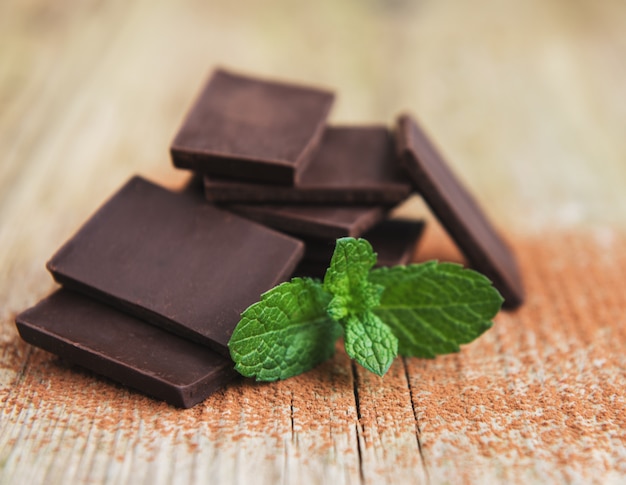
{"x":527,"y":101}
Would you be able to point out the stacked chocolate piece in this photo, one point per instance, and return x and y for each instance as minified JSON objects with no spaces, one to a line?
{"x":154,"y":282}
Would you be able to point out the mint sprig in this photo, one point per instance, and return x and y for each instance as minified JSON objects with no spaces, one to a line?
{"x":418,"y":310}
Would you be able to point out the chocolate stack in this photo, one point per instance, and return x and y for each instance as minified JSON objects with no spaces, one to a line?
{"x":263,"y":150}
{"x":154,"y":282}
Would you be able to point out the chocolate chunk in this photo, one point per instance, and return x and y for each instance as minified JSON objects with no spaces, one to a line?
{"x":458,"y":211}
{"x":124,"y":348}
{"x":394,"y":241}
{"x":175,"y":261}
{"x":194,"y":186}
{"x":251,"y":128}
{"x":353,"y":166}
{"x":324,"y":222}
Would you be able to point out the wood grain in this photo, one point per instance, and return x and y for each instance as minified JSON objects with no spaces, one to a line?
{"x":525,"y":98}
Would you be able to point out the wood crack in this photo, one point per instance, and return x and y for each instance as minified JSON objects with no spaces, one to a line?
{"x":358,"y":427}
{"x":291,"y":416}
{"x":418,"y":431}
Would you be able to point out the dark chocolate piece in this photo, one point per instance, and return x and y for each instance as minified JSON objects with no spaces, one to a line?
{"x":324,"y":222}
{"x":124,"y":348}
{"x":458,"y":211}
{"x":354,"y":165}
{"x":251,"y":128}
{"x":394,"y":241}
{"x":175,"y":261}
{"x":194,"y":186}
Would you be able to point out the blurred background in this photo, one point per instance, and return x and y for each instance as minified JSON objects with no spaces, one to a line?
{"x":525,"y":98}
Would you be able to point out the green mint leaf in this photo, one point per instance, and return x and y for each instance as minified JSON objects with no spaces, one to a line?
{"x":347,"y":279}
{"x":418,"y":310}
{"x":433,"y":307}
{"x":286,"y":333}
{"x":370,"y":342}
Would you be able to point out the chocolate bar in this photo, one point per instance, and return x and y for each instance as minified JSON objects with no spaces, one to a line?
{"x":394,"y":241}
{"x":125,"y":349}
{"x":354,"y":165}
{"x":252,"y":128}
{"x":175,"y":261}
{"x":458,"y":212}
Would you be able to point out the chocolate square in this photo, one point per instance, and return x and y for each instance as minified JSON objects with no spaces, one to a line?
{"x":175,"y":261}
{"x":252,"y":128}
{"x":324,"y":222}
{"x":313,"y":221}
{"x":458,"y":212}
{"x":354,"y":165}
{"x":125,"y":349}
